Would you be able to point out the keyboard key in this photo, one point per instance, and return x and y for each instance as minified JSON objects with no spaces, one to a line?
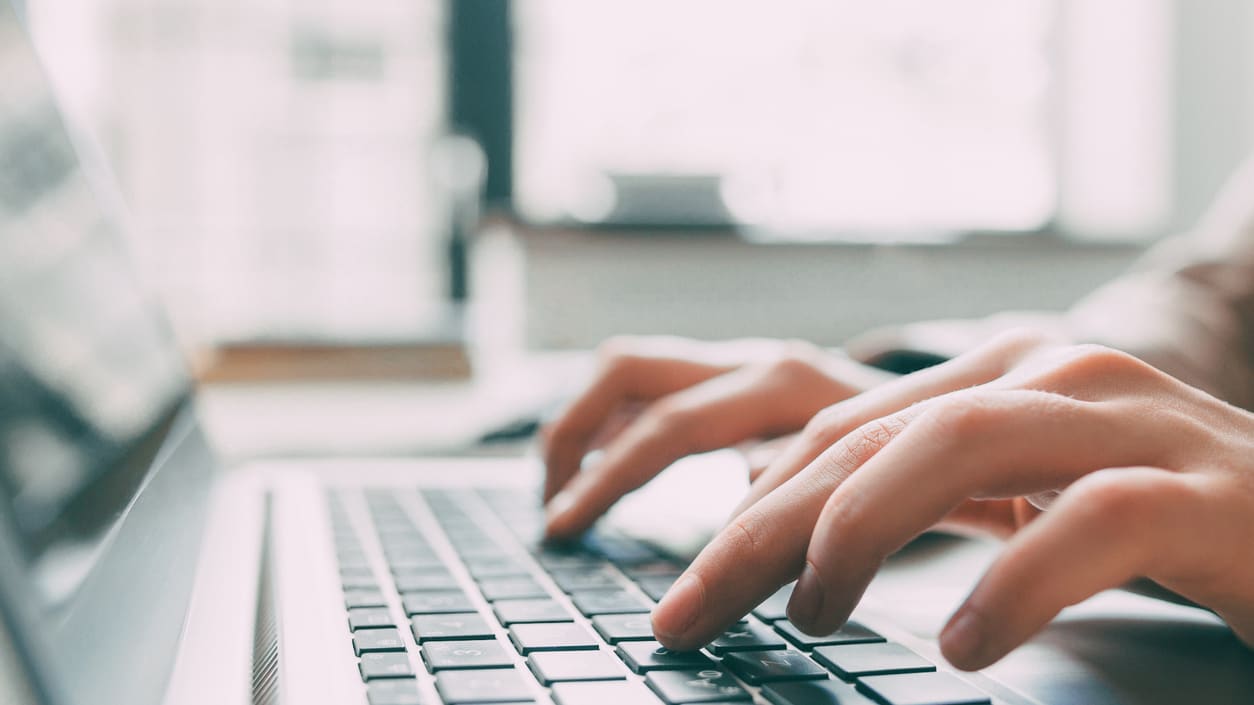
{"x":758,"y":667}
{"x":446,"y":627}
{"x":521,"y":611}
{"x":494,"y":567}
{"x":746,"y":637}
{"x":483,"y":653}
{"x":384,"y":665}
{"x":655,"y":586}
{"x":487,"y":686}
{"x":366,"y":640}
{"x":645,"y":656}
{"x":393,"y":691}
{"x":363,"y":598}
{"x":603,"y":693}
{"x":425,"y":581}
{"x":774,"y":607}
{"x":609,"y":602}
{"x":513,"y":588}
{"x":656,"y":567}
{"x":623,"y":627}
{"x":707,"y":685}
{"x":414,"y":566}
{"x":358,"y":582}
{"x":828,"y":692}
{"x":935,"y":688}
{"x":851,"y":633}
{"x":574,"y":580}
{"x":554,"y":666}
{"x":369,"y":617}
{"x":563,"y":636}
{"x":436,"y":602}
{"x":851,"y":661}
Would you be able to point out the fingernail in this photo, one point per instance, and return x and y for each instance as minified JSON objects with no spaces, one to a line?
{"x":556,"y":509}
{"x":807,"y":599}
{"x":679,"y":608}
{"x":963,"y":639}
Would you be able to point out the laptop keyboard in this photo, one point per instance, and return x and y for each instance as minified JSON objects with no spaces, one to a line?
{"x":500,"y":619}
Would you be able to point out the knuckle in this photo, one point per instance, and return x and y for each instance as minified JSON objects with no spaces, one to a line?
{"x":796,"y":358}
{"x":961,"y":414}
{"x":667,"y":415}
{"x":1118,"y":497}
{"x":746,"y":534}
{"x":853,"y":450}
{"x":1017,"y":341}
{"x":1089,"y":361}
{"x":618,"y":348}
{"x":827,"y":426}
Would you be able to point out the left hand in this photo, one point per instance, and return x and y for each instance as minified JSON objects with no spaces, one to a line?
{"x":1156,"y":480}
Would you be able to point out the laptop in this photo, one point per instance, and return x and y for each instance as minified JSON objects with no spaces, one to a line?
{"x":135,"y":568}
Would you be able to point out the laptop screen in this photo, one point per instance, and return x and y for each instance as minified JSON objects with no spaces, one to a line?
{"x":88,"y":372}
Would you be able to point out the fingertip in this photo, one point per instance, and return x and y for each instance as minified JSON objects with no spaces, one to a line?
{"x":965,"y":642}
{"x":678,"y":610}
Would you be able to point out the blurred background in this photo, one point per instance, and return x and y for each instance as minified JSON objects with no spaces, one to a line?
{"x":805,"y":168}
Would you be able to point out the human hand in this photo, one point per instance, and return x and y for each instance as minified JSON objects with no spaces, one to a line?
{"x":1156,"y":480}
{"x":655,"y":400}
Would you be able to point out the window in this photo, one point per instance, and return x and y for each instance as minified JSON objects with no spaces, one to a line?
{"x":804,"y":116}
{"x":274,"y":155}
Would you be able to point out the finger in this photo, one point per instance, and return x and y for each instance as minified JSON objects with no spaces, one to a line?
{"x":977,"y":367}
{"x":771,"y":536}
{"x":760,"y":454}
{"x":717,"y":413}
{"x":1108,"y":528}
{"x":624,"y":377}
{"x":976,"y":443}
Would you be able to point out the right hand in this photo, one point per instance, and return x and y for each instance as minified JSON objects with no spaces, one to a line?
{"x":655,"y":400}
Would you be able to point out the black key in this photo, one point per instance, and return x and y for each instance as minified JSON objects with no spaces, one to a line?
{"x":369,"y":617}
{"x":393,"y":691}
{"x":572,"y":580}
{"x":358,"y":582}
{"x":363,"y":598}
{"x":497,"y":685}
{"x":521,"y":611}
{"x":758,"y":667}
{"x":425,"y":582}
{"x":413,"y":566}
{"x":554,"y":666}
{"x":494,"y":567}
{"x":746,"y":637}
{"x":483,"y":653}
{"x":609,"y":602}
{"x":450,"y":627}
{"x":851,"y":661}
{"x":366,"y":640}
{"x":512,"y":588}
{"x":658,"y":567}
{"x":363,"y":571}
{"x":828,"y":692}
{"x":436,"y":602}
{"x":935,"y":688}
{"x":645,"y":656}
{"x":384,"y":665}
{"x":563,"y":636}
{"x":707,"y":685}
{"x":774,"y":607}
{"x":603,"y":693}
{"x":623,"y":627}
{"x":851,"y":633}
{"x":655,"y":586}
